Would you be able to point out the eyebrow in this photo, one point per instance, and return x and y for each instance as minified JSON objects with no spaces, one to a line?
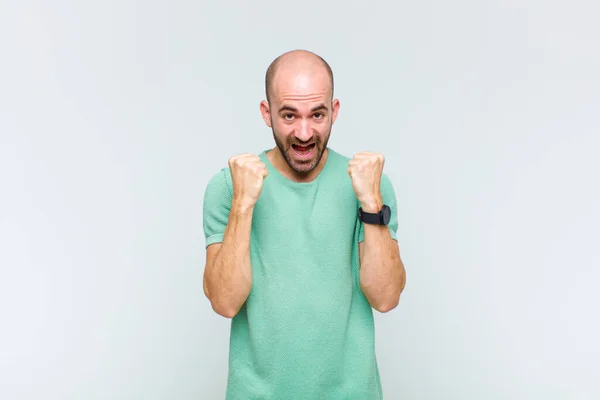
{"x":294,"y":109}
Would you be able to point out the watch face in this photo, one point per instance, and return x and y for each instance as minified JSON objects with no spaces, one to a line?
{"x":387,"y":213}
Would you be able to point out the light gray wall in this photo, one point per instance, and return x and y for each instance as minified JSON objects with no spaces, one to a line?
{"x":487,"y":112}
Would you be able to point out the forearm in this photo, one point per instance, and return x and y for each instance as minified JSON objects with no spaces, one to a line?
{"x":229,"y":276}
{"x":382,"y":274}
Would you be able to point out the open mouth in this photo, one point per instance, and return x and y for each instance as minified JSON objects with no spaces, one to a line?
{"x":303,"y":151}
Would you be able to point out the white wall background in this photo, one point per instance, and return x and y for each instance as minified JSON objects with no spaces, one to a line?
{"x":114,"y":114}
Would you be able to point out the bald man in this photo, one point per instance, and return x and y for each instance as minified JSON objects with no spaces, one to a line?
{"x":301,"y":246}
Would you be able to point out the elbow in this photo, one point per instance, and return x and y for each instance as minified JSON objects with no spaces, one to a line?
{"x":224,"y":310}
{"x":381,"y":302}
{"x":219,"y":306}
{"x":227,"y":305}
{"x":386,"y":307}
{"x":223,"y":306}
{"x":385,"y":303}
{"x":384,"y":300}
{"x":392,"y":302}
{"x":228,"y":313}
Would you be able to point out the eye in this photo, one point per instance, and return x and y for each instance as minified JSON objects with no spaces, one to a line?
{"x":318,"y":115}
{"x":288,"y":116}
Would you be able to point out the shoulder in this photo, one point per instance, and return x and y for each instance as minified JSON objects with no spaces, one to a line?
{"x":336,"y":157}
{"x":340,"y":161}
{"x":337,"y":162}
{"x":219,"y":184}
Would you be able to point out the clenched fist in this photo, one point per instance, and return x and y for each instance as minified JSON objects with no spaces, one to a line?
{"x":365,"y":170}
{"x":247,"y":173}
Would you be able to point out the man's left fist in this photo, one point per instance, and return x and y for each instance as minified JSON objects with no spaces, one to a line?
{"x":365,"y":170}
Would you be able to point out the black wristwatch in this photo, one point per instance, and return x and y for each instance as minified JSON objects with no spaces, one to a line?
{"x":379,"y":218}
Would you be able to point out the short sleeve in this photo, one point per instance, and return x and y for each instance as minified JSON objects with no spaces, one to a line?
{"x":216,"y":206}
{"x":388,"y":195}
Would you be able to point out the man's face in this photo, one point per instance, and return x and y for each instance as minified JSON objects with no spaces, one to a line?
{"x":301,"y":115}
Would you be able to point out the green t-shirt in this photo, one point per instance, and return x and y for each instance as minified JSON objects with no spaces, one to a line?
{"x":306,"y":330}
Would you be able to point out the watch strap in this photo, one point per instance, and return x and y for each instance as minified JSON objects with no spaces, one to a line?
{"x":370,"y":218}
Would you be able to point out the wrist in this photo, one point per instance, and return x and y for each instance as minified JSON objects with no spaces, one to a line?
{"x":372,"y":205}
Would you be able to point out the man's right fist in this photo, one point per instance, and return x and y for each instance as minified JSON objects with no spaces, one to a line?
{"x":247,"y":174}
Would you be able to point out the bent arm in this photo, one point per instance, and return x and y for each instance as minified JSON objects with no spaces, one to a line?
{"x":228,"y":272}
{"x":382,"y":273}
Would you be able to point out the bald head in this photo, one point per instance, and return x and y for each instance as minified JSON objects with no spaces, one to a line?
{"x":293,"y":63}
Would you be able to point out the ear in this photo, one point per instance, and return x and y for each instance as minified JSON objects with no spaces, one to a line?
{"x":265,"y":112}
{"x":334,"y":110}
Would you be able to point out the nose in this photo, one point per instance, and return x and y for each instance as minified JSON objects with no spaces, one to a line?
{"x":304,"y":131}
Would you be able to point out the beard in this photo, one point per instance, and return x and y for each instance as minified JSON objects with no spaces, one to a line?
{"x":302,"y":166}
